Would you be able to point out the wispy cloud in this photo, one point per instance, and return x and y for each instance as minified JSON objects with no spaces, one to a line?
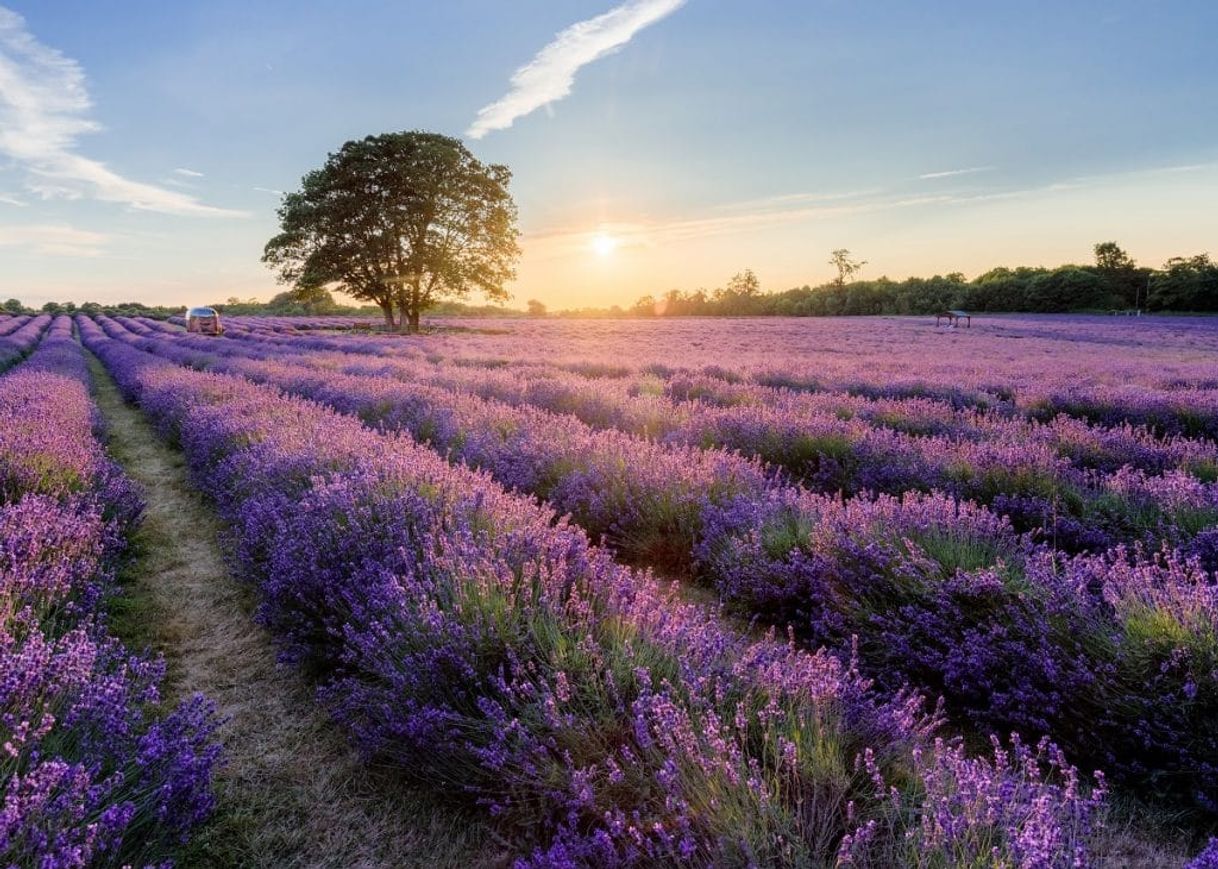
{"x":12,"y":199}
{"x":787,"y":200}
{"x":751,"y":215}
{"x":1185,"y":167}
{"x":53,"y":240}
{"x":44,"y":109}
{"x":1080,"y":181}
{"x":189,"y":173}
{"x":767,"y":214}
{"x":951,"y":173}
{"x":548,"y":77}
{"x":269,"y":190}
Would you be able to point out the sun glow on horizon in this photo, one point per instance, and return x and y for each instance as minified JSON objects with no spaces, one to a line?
{"x":604,"y":244}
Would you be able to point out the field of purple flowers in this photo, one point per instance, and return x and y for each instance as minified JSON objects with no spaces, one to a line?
{"x":1028,"y":535}
{"x":966,"y":579}
{"x":96,"y":769}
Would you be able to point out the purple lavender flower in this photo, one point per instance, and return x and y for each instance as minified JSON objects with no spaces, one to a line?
{"x":96,"y":769}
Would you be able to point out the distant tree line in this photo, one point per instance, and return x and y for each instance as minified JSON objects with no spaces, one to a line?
{"x":317,"y":302}
{"x":291,"y":303}
{"x":117,"y":309}
{"x":1113,"y":282}
{"x":281,"y":305}
{"x":314,"y":303}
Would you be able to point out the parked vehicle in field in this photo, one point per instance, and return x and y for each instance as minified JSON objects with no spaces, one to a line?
{"x":205,"y":321}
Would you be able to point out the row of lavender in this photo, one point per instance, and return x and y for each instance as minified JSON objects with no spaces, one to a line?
{"x":1080,"y":487}
{"x":1114,"y":655}
{"x":483,"y":646}
{"x":293,"y":324}
{"x":96,"y":769}
{"x":290,"y":324}
{"x":1087,"y":484}
{"x":1159,"y":375}
{"x":18,"y":336}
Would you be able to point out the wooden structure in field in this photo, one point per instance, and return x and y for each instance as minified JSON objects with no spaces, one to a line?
{"x":954,"y":318}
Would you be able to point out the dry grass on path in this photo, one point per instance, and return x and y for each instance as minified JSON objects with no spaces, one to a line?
{"x":293,"y":793}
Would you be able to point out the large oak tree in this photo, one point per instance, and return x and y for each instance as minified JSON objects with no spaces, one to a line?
{"x":401,"y":220}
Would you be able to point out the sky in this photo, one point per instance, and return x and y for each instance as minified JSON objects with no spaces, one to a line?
{"x":654,"y":144}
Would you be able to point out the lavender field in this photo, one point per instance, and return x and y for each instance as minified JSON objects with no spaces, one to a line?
{"x":731,"y":592}
{"x":98,"y":769}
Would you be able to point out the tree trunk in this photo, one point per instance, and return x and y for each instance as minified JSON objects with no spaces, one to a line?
{"x":387,"y":310}
{"x":408,"y":303}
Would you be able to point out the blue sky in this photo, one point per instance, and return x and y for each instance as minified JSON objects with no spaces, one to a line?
{"x":719,"y":135}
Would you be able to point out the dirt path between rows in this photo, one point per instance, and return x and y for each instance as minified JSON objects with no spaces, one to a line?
{"x":292,"y":793}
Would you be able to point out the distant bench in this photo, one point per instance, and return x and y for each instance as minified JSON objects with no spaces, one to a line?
{"x":953,"y":318}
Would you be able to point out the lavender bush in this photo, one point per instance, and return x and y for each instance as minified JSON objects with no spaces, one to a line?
{"x":95,"y":768}
{"x":484,"y":647}
{"x":1059,"y":480}
{"x":940,"y":592}
{"x":19,"y":337}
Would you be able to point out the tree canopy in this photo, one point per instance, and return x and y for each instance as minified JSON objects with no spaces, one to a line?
{"x":847,"y":266}
{"x":1109,"y":257}
{"x":1186,"y":284}
{"x":1114,"y":283}
{"x":402,"y":220}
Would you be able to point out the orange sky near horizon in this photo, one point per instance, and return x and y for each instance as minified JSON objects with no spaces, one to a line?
{"x":1154,"y":214}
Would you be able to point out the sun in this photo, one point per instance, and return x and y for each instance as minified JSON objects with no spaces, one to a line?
{"x":604,"y":244}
